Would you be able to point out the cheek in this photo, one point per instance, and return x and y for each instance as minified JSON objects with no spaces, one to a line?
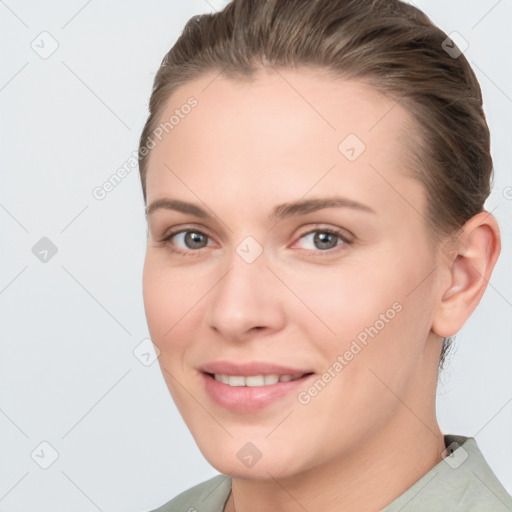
{"x":345,"y":300}
{"x":166,"y":301}
{"x":174,"y":302}
{"x":156,"y":300}
{"x":165,"y":304}
{"x":367,"y":315}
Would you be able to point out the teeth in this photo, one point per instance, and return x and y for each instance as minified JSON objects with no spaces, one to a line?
{"x":256,"y":380}
{"x":271,"y":379}
{"x":253,"y":380}
{"x":235,"y":380}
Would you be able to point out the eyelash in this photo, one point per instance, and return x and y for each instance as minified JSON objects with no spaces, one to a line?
{"x":330,"y":231}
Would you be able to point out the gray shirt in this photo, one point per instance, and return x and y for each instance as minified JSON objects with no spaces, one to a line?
{"x":462,"y":482}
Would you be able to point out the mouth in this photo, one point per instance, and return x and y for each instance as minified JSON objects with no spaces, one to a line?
{"x":255,"y":380}
{"x":253,"y":391}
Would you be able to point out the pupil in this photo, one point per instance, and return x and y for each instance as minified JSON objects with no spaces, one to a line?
{"x":325,"y":240}
{"x":194,"y":240}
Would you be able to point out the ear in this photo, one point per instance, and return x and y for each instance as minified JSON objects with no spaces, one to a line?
{"x":469,"y":262}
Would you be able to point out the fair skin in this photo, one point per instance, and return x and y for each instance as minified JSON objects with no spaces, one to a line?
{"x":245,"y":149}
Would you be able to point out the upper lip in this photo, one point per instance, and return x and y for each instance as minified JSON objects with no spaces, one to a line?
{"x":252,"y":368}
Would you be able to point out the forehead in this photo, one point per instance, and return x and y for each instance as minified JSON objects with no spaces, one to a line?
{"x":280,"y":135}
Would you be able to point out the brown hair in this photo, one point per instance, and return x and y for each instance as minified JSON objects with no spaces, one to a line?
{"x":387,"y":43}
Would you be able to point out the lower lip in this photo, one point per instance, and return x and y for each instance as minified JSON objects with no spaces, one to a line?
{"x":250,"y":398}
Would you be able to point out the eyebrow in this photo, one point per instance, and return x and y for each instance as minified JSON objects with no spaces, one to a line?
{"x":282,"y":211}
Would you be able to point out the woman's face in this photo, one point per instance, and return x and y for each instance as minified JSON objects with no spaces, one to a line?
{"x":296,"y":246}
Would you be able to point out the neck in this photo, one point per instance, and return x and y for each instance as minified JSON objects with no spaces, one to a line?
{"x":359,"y":482}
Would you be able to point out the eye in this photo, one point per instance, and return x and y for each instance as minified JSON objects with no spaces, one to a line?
{"x":186,"y":240}
{"x":323,"y":239}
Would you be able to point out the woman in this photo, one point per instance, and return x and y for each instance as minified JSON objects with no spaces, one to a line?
{"x":315,"y":173}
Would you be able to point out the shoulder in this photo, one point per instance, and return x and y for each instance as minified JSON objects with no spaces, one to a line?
{"x":208,"y":496}
{"x":462,"y":481}
{"x":470,"y":479}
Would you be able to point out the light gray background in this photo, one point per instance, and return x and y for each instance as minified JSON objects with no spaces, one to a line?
{"x":69,"y":326}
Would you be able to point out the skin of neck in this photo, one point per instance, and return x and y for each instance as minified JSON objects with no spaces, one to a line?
{"x":373,"y":475}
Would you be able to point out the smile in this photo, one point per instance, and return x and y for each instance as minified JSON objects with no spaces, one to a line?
{"x":253,"y":380}
{"x":252,"y":393}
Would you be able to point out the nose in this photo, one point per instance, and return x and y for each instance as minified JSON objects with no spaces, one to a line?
{"x":247,"y":299}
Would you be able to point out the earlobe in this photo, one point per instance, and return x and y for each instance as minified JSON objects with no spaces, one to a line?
{"x":473,"y":257}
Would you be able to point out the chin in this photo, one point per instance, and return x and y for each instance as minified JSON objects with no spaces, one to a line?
{"x":245,"y":460}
